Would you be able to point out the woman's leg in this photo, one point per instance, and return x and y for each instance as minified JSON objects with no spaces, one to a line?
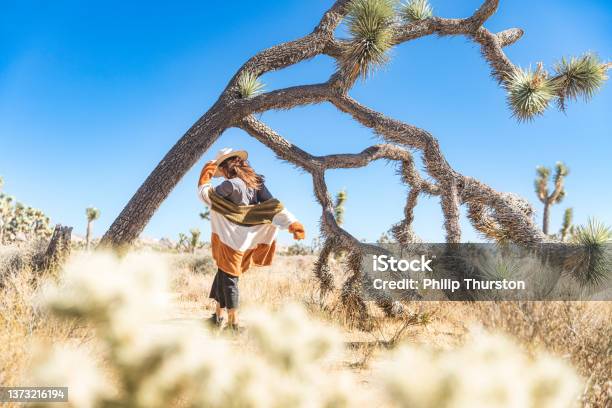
{"x":218,"y":310}
{"x":231,"y":297}
{"x":216,"y":294}
{"x":232,"y":316}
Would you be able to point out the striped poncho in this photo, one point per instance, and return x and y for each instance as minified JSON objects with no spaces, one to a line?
{"x":243,"y":235}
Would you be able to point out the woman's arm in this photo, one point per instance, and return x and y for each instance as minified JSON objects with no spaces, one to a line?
{"x":286,"y":220}
{"x":263,"y":194}
{"x":204,"y":184}
{"x":225,"y":189}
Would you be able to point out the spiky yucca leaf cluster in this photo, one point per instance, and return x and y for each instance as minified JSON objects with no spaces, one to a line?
{"x":579,"y":77}
{"x":529,"y":92}
{"x":369,"y":23}
{"x":92,"y":213}
{"x":416,"y":10}
{"x":596,"y":259}
{"x":249,"y":85}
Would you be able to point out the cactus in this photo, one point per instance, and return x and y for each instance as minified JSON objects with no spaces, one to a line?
{"x":541,"y":189}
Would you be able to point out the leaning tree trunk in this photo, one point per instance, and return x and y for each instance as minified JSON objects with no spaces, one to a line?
{"x":224,"y":113}
{"x":147,"y":199}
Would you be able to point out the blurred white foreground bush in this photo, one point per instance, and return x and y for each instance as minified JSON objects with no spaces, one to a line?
{"x":141,"y":361}
{"x":489,"y":371}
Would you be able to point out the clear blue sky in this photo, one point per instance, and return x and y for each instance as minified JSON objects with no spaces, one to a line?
{"x":93,"y":94}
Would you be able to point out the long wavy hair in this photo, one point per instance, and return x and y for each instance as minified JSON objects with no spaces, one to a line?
{"x":238,"y":167}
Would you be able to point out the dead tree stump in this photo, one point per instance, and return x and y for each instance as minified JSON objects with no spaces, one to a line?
{"x":57,"y":251}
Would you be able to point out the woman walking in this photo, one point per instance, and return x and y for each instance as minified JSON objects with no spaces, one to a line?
{"x":244,"y":220}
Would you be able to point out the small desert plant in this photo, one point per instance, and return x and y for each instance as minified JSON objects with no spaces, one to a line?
{"x":595,"y":239}
{"x":297,"y":249}
{"x":416,"y":10}
{"x":369,"y":24}
{"x":249,"y":85}
{"x":92,"y":214}
{"x":198,"y":264}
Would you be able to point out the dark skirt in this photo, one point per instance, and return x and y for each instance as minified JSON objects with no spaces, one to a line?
{"x":225,"y":290}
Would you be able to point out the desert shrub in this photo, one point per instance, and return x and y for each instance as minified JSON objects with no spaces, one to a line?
{"x":297,"y":249}
{"x":22,"y":325}
{"x":286,"y":360}
{"x":488,"y":371}
{"x":578,"y":331}
{"x":14,"y":259}
{"x":151,"y":366}
{"x":195,"y":263}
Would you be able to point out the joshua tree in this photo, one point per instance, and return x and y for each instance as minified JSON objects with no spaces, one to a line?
{"x":374,"y":27}
{"x":22,"y":222}
{"x":19,"y":222}
{"x":194,"y":240}
{"x":339,"y":206}
{"x":183,"y":242}
{"x":92,"y":214}
{"x":557,"y":194}
{"x":566,"y":228}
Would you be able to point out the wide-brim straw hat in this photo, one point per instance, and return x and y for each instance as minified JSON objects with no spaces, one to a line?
{"x":226,"y":153}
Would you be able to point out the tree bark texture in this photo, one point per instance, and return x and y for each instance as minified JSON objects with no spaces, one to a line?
{"x":545,"y":218}
{"x":57,"y":251}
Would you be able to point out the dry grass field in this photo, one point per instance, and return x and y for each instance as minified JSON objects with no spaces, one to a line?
{"x":579,"y":334}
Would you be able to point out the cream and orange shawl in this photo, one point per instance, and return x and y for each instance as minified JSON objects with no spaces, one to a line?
{"x":243,"y":235}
